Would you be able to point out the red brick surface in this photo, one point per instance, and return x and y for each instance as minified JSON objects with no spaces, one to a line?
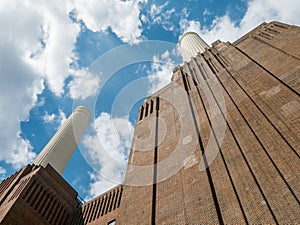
{"x":219,"y":145}
{"x":254,"y":177}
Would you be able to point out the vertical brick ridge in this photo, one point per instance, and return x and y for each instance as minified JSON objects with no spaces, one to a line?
{"x":269,"y":72}
{"x":262,"y":112}
{"x":6,"y":182}
{"x":262,"y":145}
{"x":239,"y":146}
{"x":87,"y":212}
{"x":184,"y":204}
{"x":208,"y":172}
{"x":155,"y":160}
{"x":93,"y":211}
{"x":231,"y":71}
{"x":278,"y":124}
{"x":270,"y":31}
{"x":272,"y":46}
{"x":20,"y":188}
{"x":195,"y":64}
{"x":8,"y":185}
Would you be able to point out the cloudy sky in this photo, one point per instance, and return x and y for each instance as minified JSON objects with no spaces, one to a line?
{"x":105,"y":54}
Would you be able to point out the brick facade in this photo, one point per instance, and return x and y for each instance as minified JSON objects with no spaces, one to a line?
{"x":237,"y":108}
{"x":37,"y":195}
{"x":220,"y":144}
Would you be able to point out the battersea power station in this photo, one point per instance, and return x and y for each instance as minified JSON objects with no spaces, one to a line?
{"x":219,"y":144}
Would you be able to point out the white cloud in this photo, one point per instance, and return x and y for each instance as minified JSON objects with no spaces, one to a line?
{"x":19,"y":88}
{"x":37,"y":43}
{"x":222,"y":28}
{"x":144,"y":19}
{"x":55,"y":35}
{"x":53,"y":118}
{"x":20,"y":154}
{"x":161,"y":71}
{"x":189,"y":25}
{"x":84,"y":84}
{"x":99,"y":185}
{"x":155,"y":10}
{"x":61,"y":117}
{"x":121,"y":16}
{"x":160,"y":15}
{"x":258,"y":11}
{"x":268,"y":10}
{"x":49,"y":118}
{"x":108,"y":148}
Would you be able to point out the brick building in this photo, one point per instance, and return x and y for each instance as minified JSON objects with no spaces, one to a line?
{"x":37,"y":195}
{"x":220,"y":144}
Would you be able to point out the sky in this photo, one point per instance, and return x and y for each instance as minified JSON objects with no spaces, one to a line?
{"x":108,"y":55}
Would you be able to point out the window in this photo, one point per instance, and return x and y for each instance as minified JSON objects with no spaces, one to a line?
{"x":141,"y":112}
{"x":151,"y":106}
{"x":113,"y":222}
{"x":147,"y":108}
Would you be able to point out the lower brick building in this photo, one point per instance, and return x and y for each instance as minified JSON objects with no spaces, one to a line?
{"x":37,"y":195}
{"x":220,"y":144}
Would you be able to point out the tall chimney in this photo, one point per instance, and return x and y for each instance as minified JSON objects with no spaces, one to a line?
{"x":191,"y":44}
{"x":60,"y":148}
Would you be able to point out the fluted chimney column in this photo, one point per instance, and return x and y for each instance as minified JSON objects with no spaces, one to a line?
{"x":60,"y":148}
{"x":191,"y":44}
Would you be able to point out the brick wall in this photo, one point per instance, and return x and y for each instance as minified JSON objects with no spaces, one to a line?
{"x":225,"y":142}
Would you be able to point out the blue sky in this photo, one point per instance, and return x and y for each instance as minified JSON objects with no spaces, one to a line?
{"x":107,"y":55}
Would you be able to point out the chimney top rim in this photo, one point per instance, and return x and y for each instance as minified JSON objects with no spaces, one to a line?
{"x":187,"y":33}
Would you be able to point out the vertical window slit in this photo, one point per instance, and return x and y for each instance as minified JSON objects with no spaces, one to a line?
{"x":267,"y":34}
{"x":146,"y":110}
{"x":108,"y":203}
{"x":57,"y":213}
{"x":88,"y":212}
{"x":117,"y":197}
{"x":157,"y":108}
{"x":38,"y":200}
{"x":264,"y":36}
{"x":46,"y":208}
{"x":141,"y":112}
{"x":43,"y":202}
{"x":50,"y":209}
{"x":96,"y":208}
{"x":103,"y":206}
{"x":280,"y":26}
{"x":119,"y":200}
{"x":151,"y":106}
{"x":100,"y":207}
{"x":273,"y":31}
{"x":52,"y":212}
{"x":29,"y":191}
{"x":112,"y":201}
{"x":64,"y":217}
{"x":35,"y":194}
